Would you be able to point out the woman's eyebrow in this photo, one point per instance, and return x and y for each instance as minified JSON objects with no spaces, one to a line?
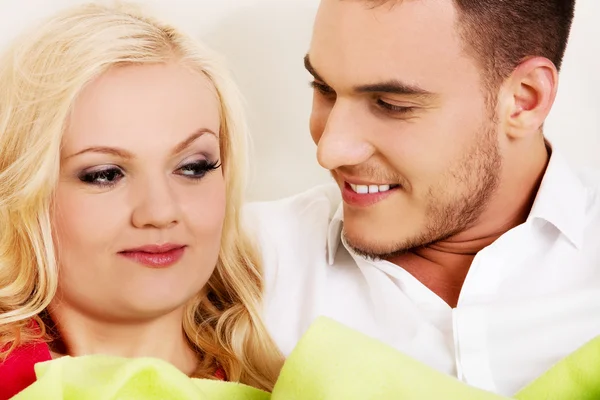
{"x":124,"y":154}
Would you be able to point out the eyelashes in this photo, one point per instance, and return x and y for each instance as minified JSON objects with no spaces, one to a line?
{"x":109,"y":176}
{"x":198,"y":169}
{"x":322,"y":88}
{"x":102,"y":177}
{"x":328,"y":93}
{"x":393,"y":108}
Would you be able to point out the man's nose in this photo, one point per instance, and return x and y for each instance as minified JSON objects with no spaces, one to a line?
{"x":344,"y":141}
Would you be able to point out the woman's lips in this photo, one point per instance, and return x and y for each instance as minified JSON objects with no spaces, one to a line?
{"x":155,"y":256}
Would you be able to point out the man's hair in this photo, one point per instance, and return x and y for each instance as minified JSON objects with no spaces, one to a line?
{"x":500,"y":34}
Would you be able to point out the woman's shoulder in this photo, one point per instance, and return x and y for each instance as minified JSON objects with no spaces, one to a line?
{"x":17,"y":370}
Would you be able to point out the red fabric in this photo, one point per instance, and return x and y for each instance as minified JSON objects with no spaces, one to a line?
{"x":16,"y":372}
{"x":220,"y":374}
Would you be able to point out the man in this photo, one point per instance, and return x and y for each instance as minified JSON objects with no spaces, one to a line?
{"x":461,"y":237}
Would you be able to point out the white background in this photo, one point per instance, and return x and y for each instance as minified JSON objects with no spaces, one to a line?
{"x":265,"y":41}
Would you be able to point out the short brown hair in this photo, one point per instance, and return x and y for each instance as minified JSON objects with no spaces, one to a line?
{"x":500,"y":34}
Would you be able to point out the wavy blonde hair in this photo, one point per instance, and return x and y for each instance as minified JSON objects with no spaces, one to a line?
{"x":40,"y":78}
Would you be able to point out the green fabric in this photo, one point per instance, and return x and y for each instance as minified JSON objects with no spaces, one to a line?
{"x":112,"y":378}
{"x":575,"y":377}
{"x":331,"y":362}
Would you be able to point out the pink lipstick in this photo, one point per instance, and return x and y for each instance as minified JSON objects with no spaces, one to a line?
{"x":155,"y":256}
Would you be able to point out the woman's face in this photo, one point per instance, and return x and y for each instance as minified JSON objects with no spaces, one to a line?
{"x":140,"y":204}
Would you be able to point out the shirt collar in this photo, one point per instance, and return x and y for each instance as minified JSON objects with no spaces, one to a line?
{"x":334,"y":234}
{"x":560,"y":201}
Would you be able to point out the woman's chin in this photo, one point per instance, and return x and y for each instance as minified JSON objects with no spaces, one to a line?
{"x":158,"y":295}
{"x":152,"y":307}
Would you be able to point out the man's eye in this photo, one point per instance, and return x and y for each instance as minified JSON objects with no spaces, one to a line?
{"x":322,"y":88}
{"x":393,"y":108}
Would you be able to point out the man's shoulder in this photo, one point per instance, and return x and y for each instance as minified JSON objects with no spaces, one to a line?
{"x":294,"y":228}
{"x":567,"y":173}
{"x":316,"y":204}
{"x":292,"y":234}
{"x":590,"y":177}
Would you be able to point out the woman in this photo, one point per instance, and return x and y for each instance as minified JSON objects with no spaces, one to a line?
{"x":121,"y":179}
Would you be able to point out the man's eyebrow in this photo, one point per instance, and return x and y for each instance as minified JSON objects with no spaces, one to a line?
{"x":394,"y":87}
{"x":311,"y":70}
{"x":391,"y":86}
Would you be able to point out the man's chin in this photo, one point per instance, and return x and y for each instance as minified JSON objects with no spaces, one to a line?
{"x":376,"y":248}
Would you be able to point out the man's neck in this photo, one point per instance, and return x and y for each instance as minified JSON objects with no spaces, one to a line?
{"x":161,"y":338}
{"x":443,"y":266}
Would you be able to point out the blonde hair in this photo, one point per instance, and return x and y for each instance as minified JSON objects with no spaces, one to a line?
{"x":40,"y":78}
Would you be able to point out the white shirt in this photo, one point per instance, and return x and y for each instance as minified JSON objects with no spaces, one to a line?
{"x":529,"y":299}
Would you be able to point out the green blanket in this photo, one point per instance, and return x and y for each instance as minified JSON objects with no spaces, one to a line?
{"x":331,"y":362}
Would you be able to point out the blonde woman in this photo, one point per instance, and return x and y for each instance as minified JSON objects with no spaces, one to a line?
{"x":122,"y":155}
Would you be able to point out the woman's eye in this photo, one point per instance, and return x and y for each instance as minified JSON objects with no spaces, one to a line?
{"x":102,"y":177}
{"x":197,"y":169}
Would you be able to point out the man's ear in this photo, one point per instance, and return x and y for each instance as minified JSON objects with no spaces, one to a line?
{"x":527,"y":97}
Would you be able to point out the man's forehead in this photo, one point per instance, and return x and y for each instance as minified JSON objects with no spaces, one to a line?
{"x":403,"y":24}
{"x":350,"y":41}
{"x":378,"y":3}
{"x":399,"y":8}
{"x":371,"y":4}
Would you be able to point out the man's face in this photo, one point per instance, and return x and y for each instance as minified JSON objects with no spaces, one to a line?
{"x":400,"y":119}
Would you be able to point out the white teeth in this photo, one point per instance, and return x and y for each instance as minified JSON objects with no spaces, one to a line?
{"x":364,"y":189}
